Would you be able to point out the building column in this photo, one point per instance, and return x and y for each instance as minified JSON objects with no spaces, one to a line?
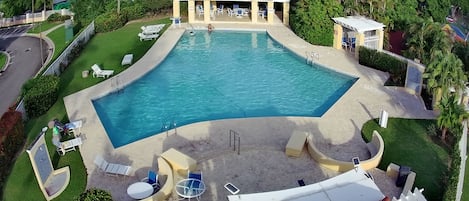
{"x":270,"y":12}
{"x":380,"y":34}
{"x":254,"y":11}
{"x":338,"y":35}
{"x":359,"y":41}
{"x":191,"y":11}
{"x":286,"y":15}
{"x":176,"y":9}
{"x":207,"y":11}
{"x":44,"y":18}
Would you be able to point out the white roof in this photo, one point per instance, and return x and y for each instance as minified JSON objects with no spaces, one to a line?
{"x":353,"y":185}
{"x":358,"y":23}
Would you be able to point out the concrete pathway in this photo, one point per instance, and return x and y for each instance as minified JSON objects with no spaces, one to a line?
{"x":262,"y":164}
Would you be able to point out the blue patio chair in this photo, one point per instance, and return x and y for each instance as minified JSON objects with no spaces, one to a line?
{"x":152,"y":179}
{"x":196,"y":186}
{"x":353,"y":42}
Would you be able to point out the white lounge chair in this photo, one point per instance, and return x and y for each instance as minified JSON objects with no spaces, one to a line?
{"x":97,"y":72}
{"x":147,"y":36}
{"x":111,"y":168}
{"x":152,"y":29}
{"x":68,"y":145}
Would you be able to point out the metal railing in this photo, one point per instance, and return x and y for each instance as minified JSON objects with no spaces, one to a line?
{"x":234,"y":137}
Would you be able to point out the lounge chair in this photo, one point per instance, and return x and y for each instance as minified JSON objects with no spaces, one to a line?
{"x":68,"y":145}
{"x":111,"y":168}
{"x":152,"y":29}
{"x":147,"y":36}
{"x":97,"y":72}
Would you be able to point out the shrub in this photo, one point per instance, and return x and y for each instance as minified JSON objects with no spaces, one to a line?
{"x":56,"y":17}
{"x":383,"y":62}
{"x":133,"y":12}
{"x":12,"y":138}
{"x":94,"y":194}
{"x":109,"y":21}
{"x":40,"y":94}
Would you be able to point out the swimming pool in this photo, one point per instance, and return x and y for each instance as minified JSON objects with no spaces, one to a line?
{"x":222,"y":75}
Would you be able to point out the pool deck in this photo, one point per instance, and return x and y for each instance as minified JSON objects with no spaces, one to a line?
{"x":262,"y":164}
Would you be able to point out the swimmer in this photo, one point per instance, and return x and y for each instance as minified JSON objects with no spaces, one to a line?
{"x":210,"y":28}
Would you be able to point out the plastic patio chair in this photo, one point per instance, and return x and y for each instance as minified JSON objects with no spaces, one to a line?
{"x":152,"y":179}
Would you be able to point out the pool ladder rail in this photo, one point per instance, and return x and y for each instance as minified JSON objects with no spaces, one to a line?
{"x":168,"y":126}
{"x":311,"y":56}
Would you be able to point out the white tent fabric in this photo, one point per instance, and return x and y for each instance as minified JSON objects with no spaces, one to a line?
{"x":358,"y":23}
{"x":353,"y":185}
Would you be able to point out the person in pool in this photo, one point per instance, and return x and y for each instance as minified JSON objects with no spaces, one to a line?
{"x":210,"y":28}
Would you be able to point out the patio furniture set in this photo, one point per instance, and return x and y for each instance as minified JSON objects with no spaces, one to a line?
{"x":179,"y":170}
{"x":71,"y":128}
{"x":235,"y":11}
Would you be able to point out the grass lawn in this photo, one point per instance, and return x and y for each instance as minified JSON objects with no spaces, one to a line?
{"x":105,"y":49}
{"x":58,"y":37}
{"x":3,"y":60}
{"x":406,"y":143}
{"x":43,"y":26}
{"x":465,"y":190}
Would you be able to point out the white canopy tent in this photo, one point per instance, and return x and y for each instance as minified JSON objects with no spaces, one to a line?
{"x":354,"y":185}
{"x":358,"y":23}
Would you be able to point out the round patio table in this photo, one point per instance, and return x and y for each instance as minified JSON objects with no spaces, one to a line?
{"x":140,"y":190}
{"x":190,"y":188}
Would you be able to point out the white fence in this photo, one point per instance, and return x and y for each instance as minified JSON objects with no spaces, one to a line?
{"x":85,"y":35}
{"x":462,"y":168}
{"x":31,"y":17}
{"x":54,"y":68}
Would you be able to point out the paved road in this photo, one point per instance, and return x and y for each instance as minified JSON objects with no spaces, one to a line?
{"x":25,"y":62}
{"x":15,"y":31}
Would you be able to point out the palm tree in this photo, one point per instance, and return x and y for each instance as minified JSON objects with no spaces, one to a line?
{"x":417,"y":42}
{"x":445,"y":71}
{"x":451,"y":114}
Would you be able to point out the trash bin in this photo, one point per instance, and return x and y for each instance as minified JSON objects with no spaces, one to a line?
{"x":404,"y":171}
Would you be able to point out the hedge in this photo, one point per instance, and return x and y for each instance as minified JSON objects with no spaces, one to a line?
{"x":57,"y":18}
{"x":109,"y":21}
{"x":383,"y":62}
{"x":94,"y":194}
{"x":12,"y":138}
{"x":133,"y":12}
{"x":40,"y":94}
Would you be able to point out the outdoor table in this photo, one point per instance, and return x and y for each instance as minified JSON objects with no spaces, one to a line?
{"x":140,"y":190}
{"x":187,"y":188}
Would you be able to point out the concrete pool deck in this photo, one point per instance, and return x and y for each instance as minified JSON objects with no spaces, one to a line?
{"x":262,"y":164}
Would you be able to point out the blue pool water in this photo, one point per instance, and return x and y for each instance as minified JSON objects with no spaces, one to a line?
{"x":220,"y":75}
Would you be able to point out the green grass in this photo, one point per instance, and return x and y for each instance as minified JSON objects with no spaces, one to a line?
{"x":43,"y":26}
{"x":465,"y":190}
{"x":58,"y":37}
{"x":406,"y":143}
{"x":105,"y":49}
{"x":3,"y":60}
